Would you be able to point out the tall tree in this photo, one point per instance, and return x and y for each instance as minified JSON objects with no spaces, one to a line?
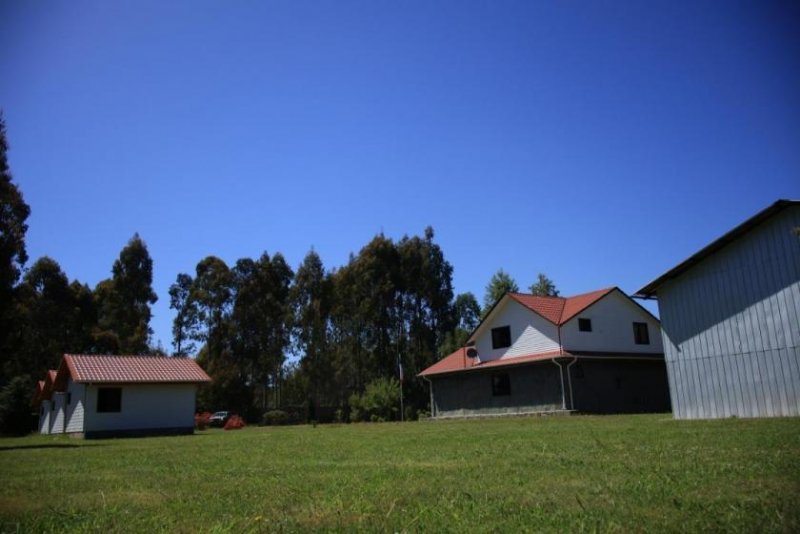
{"x":500,"y":284}
{"x":260,"y":319}
{"x":184,"y":325}
{"x":212,"y":294}
{"x":125,"y":303}
{"x":544,"y":287}
{"x":14,"y":213}
{"x":54,"y":317}
{"x":467,"y":311}
{"x":311,"y":297}
{"x":467,"y":314}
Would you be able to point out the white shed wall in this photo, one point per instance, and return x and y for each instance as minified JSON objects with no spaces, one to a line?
{"x":530,"y":332}
{"x":731,"y":327}
{"x":44,"y":417}
{"x":75,"y":408}
{"x":612,"y":327}
{"x":144,"y":406}
{"x":57,"y":413}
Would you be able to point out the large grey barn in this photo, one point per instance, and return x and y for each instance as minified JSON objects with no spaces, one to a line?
{"x":730,"y":321}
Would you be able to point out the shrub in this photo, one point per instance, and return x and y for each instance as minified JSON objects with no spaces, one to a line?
{"x":275,"y":417}
{"x":202,"y":420}
{"x":379,"y":402}
{"x":16,"y":416}
{"x":234,"y":423}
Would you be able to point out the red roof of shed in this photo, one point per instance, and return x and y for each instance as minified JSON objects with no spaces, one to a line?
{"x":127,"y":369}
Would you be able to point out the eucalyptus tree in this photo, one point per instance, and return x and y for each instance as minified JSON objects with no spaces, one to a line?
{"x":312,"y":298}
{"x":184,"y":326}
{"x":543,"y":287}
{"x":124,"y":301}
{"x":500,"y":284}
{"x":50,"y":320}
{"x":14,"y":213}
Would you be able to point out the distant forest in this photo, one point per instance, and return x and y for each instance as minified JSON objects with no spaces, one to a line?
{"x":306,"y":343}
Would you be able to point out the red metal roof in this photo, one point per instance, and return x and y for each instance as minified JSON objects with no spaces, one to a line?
{"x":458,"y":361}
{"x":127,"y":369}
{"x":559,"y":310}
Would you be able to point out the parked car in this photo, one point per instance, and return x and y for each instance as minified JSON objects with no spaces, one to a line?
{"x":219,"y":419}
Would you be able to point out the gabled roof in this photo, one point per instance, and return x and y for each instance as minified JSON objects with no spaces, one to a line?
{"x":49,"y":383}
{"x":651,"y":289}
{"x":83,"y":368}
{"x":559,"y":310}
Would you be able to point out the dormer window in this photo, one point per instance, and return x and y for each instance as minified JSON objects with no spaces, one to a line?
{"x":501,"y":337}
{"x":584,"y":324}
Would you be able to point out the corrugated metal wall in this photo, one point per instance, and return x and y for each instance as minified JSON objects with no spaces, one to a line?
{"x":731,"y":327}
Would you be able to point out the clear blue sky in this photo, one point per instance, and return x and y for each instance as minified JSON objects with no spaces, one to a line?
{"x":598,"y":142}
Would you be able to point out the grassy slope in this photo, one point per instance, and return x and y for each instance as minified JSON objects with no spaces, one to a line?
{"x":608,"y":473}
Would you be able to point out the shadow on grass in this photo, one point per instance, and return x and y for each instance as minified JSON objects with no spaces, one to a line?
{"x":47,"y":446}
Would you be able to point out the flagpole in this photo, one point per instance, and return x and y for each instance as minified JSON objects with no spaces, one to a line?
{"x":402,"y":414}
{"x":400,"y":368}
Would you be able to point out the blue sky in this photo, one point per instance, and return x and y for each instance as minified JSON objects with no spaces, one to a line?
{"x":598,"y":142}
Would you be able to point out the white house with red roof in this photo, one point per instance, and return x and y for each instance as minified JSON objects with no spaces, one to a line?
{"x":104,"y":396}
{"x":597,"y":352}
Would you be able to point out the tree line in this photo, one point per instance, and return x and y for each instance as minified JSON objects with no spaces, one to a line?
{"x":311,"y":340}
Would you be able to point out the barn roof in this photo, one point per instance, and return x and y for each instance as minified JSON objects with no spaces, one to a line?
{"x":651,"y":289}
{"x":84,"y":368}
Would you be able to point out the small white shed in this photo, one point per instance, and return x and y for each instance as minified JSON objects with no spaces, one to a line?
{"x":106,"y":396}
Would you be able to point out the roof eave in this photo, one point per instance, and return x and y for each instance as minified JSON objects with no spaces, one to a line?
{"x":650,"y":291}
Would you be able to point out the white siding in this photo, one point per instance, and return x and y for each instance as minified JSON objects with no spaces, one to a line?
{"x":44,"y":417}
{"x":57,"y":413}
{"x":612,"y":327}
{"x":75,"y":409}
{"x":146,"y":406}
{"x":530,"y":332}
{"x":731,"y":327}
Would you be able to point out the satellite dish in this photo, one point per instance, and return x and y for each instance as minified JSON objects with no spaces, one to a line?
{"x":472,"y":353}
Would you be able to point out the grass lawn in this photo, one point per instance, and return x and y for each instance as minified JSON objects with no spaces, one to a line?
{"x":640,"y":473}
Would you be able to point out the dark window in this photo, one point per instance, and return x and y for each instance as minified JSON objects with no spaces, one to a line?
{"x":618,"y":382}
{"x":584,"y":325}
{"x":109,"y":400}
{"x":501,"y":337}
{"x":579,"y":371}
{"x":501,"y":385}
{"x":641,"y":336}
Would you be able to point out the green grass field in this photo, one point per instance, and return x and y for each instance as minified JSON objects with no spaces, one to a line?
{"x":623,"y":473}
